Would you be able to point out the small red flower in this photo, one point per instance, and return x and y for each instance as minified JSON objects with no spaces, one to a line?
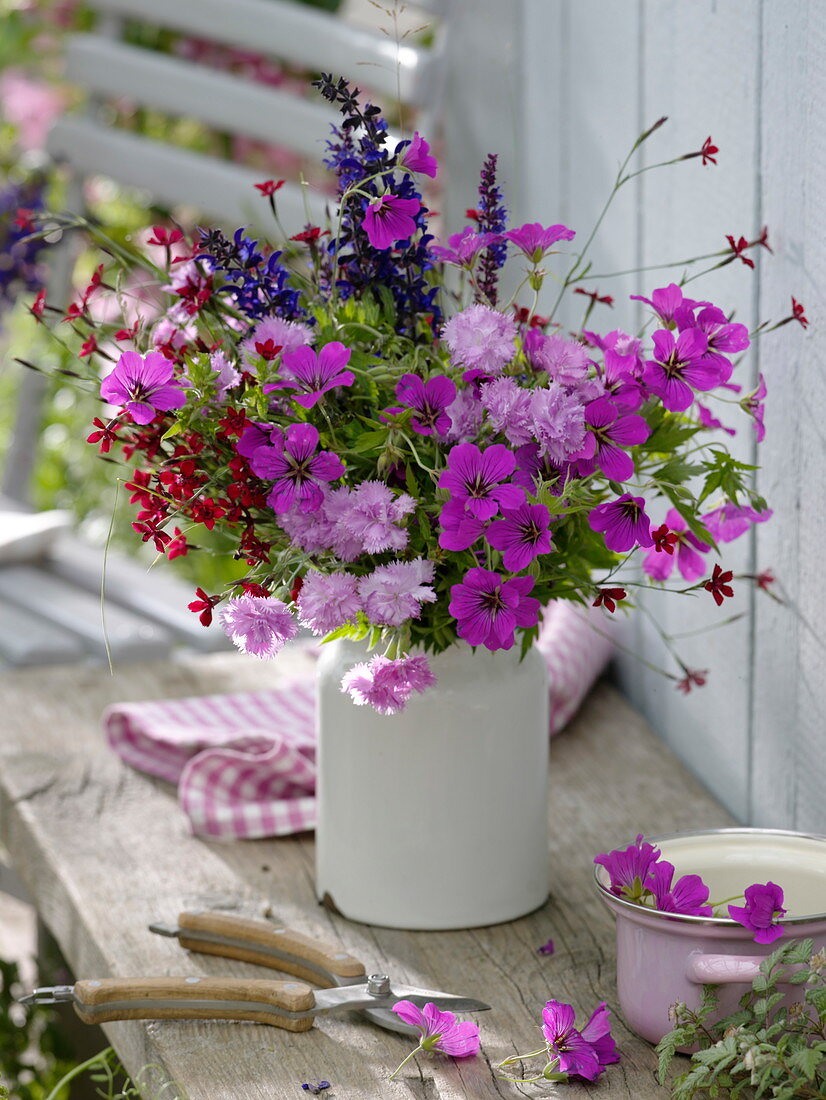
{"x":165,"y":238}
{"x":128,"y":333}
{"x":39,"y":304}
{"x":763,"y":239}
{"x":523,"y":316}
{"x":23,"y":220}
{"x":594,"y":295}
{"x":268,"y":349}
{"x":310,"y":234}
{"x":234,"y":422}
{"x":694,"y":677}
{"x":178,"y":546}
{"x":707,"y":152}
{"x":252,"y":588}
{"x":739,"y":249}
{"x":88,"y":347}
{"x":74,"y":311}
{"x":609,"y":597}
{"x":664,"y":540}
{"x":719,"y":584}
{"x":105,"y":436}
{"x":764,"y":579}
{"x":295,"y":591}
{"x":798,"y":313}
{"x":472,"y":215}
{"x":269,"y":187}
{"x":150,"y":529}
{"x":203,"y":606}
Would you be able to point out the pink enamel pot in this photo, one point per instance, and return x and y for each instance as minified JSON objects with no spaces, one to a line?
{"x":663,"y":959}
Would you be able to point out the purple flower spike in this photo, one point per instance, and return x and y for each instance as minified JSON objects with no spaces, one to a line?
{"x":389,"y":219}
{"x":430,"y":400}
{"x":689,"y":895}
{"x":474,"y":477}
{"x":623,"y":522}
{"x":574,"y":1054}
{"x":488,"y":610}
{"x":763,"y":908}
{"x":521,"y":535}
{"x":678,"y":365}
{"x":629,"y":868}
{"x":313,"y":374}
{"x":297,"y":470}
{"x":535,"y":241}
{"x":440,"y":1030}
{"x":416,"y":156}
{"x":143,"y":386}
{"x":609,"y":432}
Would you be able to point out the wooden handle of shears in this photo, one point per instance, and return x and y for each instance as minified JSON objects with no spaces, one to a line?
{"x":290,"y":947}
{"x":202,"y":998}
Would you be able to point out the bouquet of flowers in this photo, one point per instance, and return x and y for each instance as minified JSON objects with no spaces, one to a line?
{"x":400,"y":456}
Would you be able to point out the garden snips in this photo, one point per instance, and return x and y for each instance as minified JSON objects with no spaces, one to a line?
{"x":291,"y":1005}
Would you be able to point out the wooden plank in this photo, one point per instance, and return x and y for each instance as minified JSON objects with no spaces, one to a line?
{"x":214,"y":187}
{"x":687,"y":210}
{"x":105,"y":851}
{"x":789,"y":690}
{"x":154,"y":594}
{"x":129,"y":637}
{"x":295,"y":33}
{"x":185,"y":89}
{"x":27,"y":639}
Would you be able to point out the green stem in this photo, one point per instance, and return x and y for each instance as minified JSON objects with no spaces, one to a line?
{"x":90,"y":1063}
{"x":402,"y":1064}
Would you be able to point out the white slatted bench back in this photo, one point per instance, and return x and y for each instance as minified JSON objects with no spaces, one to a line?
{"x":289,"y":32}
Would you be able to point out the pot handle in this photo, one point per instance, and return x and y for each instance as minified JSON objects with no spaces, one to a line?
{"x":723,"y":969}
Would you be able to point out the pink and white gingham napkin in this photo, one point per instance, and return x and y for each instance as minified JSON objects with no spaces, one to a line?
{"x":244,"y":764}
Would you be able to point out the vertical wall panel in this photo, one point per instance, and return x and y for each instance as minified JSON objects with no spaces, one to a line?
{"x":693,"y":75}
{"x":789,"y":724}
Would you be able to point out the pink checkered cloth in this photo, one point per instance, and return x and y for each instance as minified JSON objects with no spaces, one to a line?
{"x":244,"y":764}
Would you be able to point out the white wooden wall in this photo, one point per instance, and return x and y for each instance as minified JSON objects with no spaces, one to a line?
{"x":562,"y":88}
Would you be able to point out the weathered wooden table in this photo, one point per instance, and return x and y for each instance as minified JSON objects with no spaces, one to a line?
{"x":105,"y":850}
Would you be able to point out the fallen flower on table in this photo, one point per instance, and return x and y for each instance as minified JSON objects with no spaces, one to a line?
{"x":547,"y":948}
{"x":572,"y":1053}
{"x":639,"y":875}
{"x":441,"y":1032}
{"x":317,"y":1088}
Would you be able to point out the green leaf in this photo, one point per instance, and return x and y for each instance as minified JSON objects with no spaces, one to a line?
{"x":173,"y":429}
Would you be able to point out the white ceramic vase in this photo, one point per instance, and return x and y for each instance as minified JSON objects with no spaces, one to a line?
{"x":437,"y":817}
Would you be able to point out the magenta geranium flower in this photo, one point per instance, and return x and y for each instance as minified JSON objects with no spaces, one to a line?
{"x":609,"y":432}
{"x":416,"y":156}
{"x":488,"y":609}
{"x":387,"y":685}
{"x":688,"y":895}
{"x":476,"y":478}
{"x":762,"y":911}
{"x":258,"y":625}
{"x":725,"y":338}
{"x":574,"y":1054}
{"x":297,"y":469}
{"x":623,"y":522}
{"x":628,"y":868}
{"x":460,"y":529}
{"x":463,"y":248}
{"x":729,"y":521}
{"x":313,"y":373}
{"x":678,"y":365}
{"x":522,"y":535}
{"x":143,"y":385}
{"x":665,"y":302}
{"x":597,"y":1032}
{"x":389,"y":219}
{"x":752,"y":403}
{"x":659,"y":565}
{"x":440,"y":1031}
{"x":535,"y":240}
{"x":430,"y":400}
